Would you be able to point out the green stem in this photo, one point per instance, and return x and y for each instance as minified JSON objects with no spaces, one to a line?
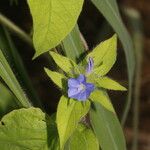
{"x":14,"y":28}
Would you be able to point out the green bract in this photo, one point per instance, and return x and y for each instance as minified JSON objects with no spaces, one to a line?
{"x":52,"y":24}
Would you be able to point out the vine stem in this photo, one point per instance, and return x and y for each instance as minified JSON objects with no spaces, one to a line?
{"x":14,"y":28}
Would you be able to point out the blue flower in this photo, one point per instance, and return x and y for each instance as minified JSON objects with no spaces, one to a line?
{"x":79,"y":89}
{"x":90,"y":66}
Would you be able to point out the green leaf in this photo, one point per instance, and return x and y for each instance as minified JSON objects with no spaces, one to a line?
{"x":66,"y":64}
{"x":53,"y":137}
{"x":82,"y":139}
{"x":9,"y":78}
{"x":27,"y":129}
{"x":107,"y":128}
{"x":55,"y":20}
{"x":109,"y":9}
{"x":11,"y":54}
{"x":7,"y":101}
{"x":104,"y":56}
{"x":102,"y":97}
{"x":73,"y":46}
{"x":69,"y":113}
{"x":110,"y":84}
{"x":57,"y":78}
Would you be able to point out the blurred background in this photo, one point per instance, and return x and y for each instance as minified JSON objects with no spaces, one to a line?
{"x":94,"y":27}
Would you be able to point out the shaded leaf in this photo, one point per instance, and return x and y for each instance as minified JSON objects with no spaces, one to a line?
{"x":7,"y":101}
{"x":107,"y":128}
{"x":12,"y":56}
{"x":9,"y":78}
{"x":73,"y":46}
{"x":109,"y":9}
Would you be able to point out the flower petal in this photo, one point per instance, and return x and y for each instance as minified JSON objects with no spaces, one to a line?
{"x":72,"y":92}
{"x":82,"y":96}
{"x":90,"y":66}
{"x":90,"y":87}
{"x":81,"y":78}
{"x":73,"y":82}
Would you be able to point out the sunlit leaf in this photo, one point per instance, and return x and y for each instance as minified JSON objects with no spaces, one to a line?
{"x":64,"y":63}
{"x":52,"y":21}
{"x":104,"y":56}
{"x":57,"y":78}
{"x":28,"y":129}
{"x":110,"y":84}
{"x":102,"y":97}
{"x":69,"y":113}
{"x":82,"y":139}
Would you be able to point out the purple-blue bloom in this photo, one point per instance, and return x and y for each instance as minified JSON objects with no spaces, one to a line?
{"x":90,"y":66}
{"x":79,"y":89}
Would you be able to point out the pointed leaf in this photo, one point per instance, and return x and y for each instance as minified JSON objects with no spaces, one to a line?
{"x":66,"y":64}
{"x":107,"y":128}
{"x":9,"y":78}
{"x":104,"y":56}
{"x":109,"y":9}
{"x":102,"y":97}
{"x":69,"y":113}
{"x":57,"y":78}
{"x":82,"y":139}
{"x":55,"y":20}
{"x":12,"y":56}
{"x":7,"y":101}
{"x":27,"y":129}
{"x":110,"y":84}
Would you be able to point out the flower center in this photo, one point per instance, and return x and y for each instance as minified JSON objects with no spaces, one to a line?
{"x":81,"y":87}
